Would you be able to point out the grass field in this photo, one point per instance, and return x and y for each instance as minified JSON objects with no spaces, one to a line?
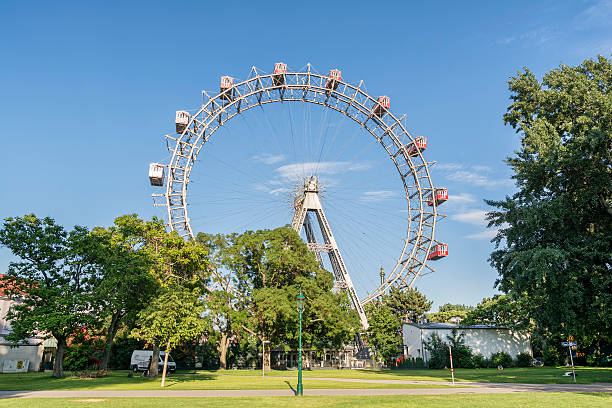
{"x":119,"y":380}
{"x":531,"y":375}
{"x":558,"y":400}
{"x":249,"y":379}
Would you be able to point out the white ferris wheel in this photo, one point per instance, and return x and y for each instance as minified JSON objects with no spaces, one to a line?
{"x":283,"y":134}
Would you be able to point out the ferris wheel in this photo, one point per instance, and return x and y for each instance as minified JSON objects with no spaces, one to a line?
{"x":370,"y":115}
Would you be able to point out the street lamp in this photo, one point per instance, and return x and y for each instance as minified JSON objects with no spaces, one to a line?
{"x":300,"y":301}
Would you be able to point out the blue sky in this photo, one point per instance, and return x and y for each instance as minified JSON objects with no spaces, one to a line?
{"x":88,"y":89}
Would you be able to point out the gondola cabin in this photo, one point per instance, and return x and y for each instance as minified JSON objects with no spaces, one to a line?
{"x":181,"y":121}
{"x":280,"y":69}
{"x":156,"y":174}
{"x":333,"y":78}
{"x":420,"y":144}
{"x":384,"y":102}
{"x":438,"y":251}
{"x":226,"y":88}
{"x":440,"y":196}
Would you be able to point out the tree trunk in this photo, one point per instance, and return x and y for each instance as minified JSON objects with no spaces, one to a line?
{"x":110,"y":338}
{"x":223,"y":346}
{"x":58,"y":365}
{"x":154,"y":370}
{"x":163,"y":381}
{"x":266,"y":354}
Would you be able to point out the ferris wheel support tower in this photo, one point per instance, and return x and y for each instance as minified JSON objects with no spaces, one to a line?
{"x":309,"y":202}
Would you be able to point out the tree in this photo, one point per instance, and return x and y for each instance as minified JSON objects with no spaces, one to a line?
{"x":174,"y":262}
{"x":554,"y":245}
{"x":499,"y":310}
{"x":449,"y":311}
{"x":174,"y":316}
{"x":124,"y":283}
{"x":51,"y":282}
{"x":408,"y":305}
{"x":261,"y":273}
{"x":384,"y":331}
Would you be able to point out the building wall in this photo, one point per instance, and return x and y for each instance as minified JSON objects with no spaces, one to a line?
{"x":34,"y":353}
{"x":481,"y":341}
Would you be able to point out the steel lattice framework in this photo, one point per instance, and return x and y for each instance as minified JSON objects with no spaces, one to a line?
{"x":347,"y":99}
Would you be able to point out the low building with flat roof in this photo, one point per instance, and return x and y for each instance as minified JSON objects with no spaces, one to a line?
{"x":482,"y":339}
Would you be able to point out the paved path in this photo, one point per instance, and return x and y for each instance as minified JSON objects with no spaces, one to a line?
{"x":472,"y":388}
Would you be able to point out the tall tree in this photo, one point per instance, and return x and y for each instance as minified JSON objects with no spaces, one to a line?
{"x":409,"y":305}
{"x":554,"y":246}
{"x":384,"y":331}
{"x":51,"y":282}
{"x":267,"y":268}
{"x":174,"y":316}
{"x":124,"y":283}
{"x":174,"y":263}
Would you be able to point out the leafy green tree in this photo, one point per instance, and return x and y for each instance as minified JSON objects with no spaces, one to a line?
{"x":449,"y":311}
{"x":409,"y":305}
{"x":124,"y":284}
{"x":51,"y":282}
{"x":174,"y":262}
{"x":499,"y":310}
{"x":554,"y":245}
{"x":262,"y":274}
{"x":174,"y":316}
{"x":384,"y":331}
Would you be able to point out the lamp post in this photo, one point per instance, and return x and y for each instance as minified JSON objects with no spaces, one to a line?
{"x":301,"y":300}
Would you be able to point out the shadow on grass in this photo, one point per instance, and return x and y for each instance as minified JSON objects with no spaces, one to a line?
{"x":292,"y":389}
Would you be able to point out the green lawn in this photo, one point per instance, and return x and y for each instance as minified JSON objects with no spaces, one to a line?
{"x":119,"y":380}
{"x":531,"y":375}
{"x":249,"y":379}
{"x":558,"y":400}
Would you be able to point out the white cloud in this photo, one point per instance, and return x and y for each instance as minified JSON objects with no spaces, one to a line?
{"x":461,"y":199}
{"x":472,"y":174}
{"x":597,"y":16}
{"x":475,"y":217}
{"x":369,"y":196}
{"x":268,"y":158}
{"x":449,"y":166}
{"x":297,"y":170}
{"x":486,"y":234}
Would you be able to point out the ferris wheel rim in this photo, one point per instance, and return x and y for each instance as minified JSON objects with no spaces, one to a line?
{"x":410,"y":264}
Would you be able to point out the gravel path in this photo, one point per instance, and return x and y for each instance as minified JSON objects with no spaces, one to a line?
{"x":473,"y":388}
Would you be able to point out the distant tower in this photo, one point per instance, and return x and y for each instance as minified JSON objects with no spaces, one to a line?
{"x":382,"y":275}
{"x":306,"y":202}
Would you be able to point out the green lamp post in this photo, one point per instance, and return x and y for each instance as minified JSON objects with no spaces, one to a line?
{"x":301,"y":301}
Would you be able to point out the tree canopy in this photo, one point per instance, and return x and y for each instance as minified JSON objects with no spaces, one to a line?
{"x":554,"y":246}
{"x":51,"y":282}
{"x":408,"y":305}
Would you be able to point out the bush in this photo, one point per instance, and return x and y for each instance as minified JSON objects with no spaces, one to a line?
{"x":502,"y":359}
{"x":523,"y":360}
{"x":480,"y":361}
{"x":551,"y":356}
{"x":439,"y":356}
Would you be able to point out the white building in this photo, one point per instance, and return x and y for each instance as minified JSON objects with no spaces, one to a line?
{"x":482,"y":339}
{"x":31,"y":350}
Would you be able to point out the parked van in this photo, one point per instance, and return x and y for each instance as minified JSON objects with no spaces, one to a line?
{"x":140,"y":361}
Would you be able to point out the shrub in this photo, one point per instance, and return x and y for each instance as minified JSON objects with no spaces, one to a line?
{"x":439,"y":356}
{"x":502,"y":359}
{"x":480,"y":361}
{"x":523,"y":360}
{"x":551,"y":356}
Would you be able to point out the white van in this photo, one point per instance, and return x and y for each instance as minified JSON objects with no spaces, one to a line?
{"x":140,"y":361}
